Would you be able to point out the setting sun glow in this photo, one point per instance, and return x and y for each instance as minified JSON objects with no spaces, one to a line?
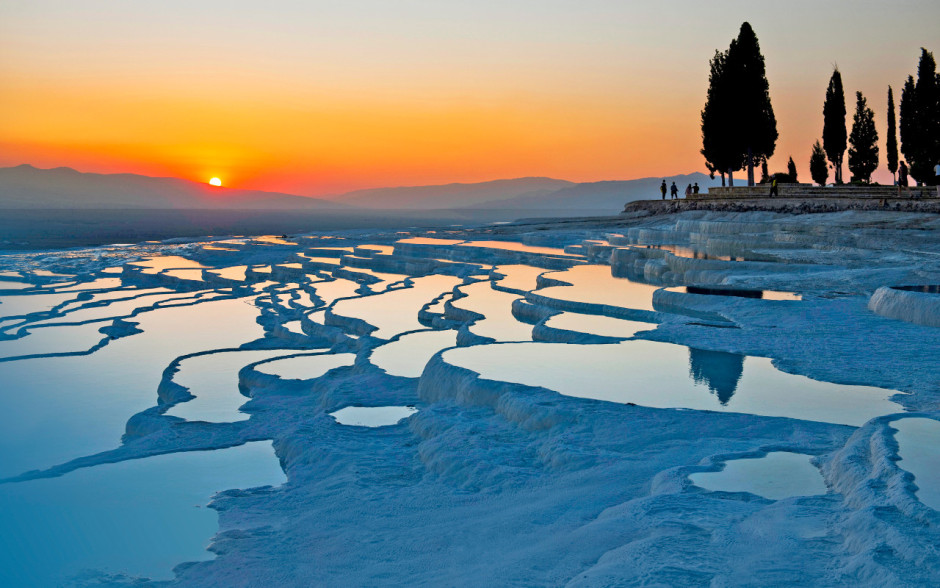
{"x":215,"y":182}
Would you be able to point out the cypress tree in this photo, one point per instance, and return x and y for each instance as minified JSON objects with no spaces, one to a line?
{"x":817,"y":165}
{"x":791,"y":170}
{"x":863,"y":154}
{"x":716,"y":120}
{"x":834,"y":135}
{"x":920,"y":120}
{"x":910,"y":143}
{"x":756,"y":136}
{"x":891,"y":143}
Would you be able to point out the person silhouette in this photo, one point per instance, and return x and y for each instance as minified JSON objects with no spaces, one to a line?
{"x":695,"y":188}
{"x":662,"y":189}
{"x":688,"y":191}
{"x":674,"y":191}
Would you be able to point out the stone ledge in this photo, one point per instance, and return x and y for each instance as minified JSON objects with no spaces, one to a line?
{"x":782,"y":205}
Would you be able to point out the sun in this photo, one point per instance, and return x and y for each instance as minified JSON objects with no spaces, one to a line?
{"x":215,"y":182}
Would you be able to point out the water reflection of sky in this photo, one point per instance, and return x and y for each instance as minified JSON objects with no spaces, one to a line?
{"x":777,"y":475}
{"x":919,"y":448}
{"x":659,"y":375}
{"x":140,"y":517}
{"x":594,"y":284}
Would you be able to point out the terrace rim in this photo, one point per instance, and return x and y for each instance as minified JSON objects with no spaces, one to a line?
{"x":798,"y":199}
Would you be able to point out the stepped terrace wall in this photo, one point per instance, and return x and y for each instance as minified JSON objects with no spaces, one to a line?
{"x":811,"y":191}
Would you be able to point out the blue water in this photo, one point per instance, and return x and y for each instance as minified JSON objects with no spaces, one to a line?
{"x":140,"y":517}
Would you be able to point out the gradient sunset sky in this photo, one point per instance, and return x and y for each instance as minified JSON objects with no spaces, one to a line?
{"x":315,"y":97}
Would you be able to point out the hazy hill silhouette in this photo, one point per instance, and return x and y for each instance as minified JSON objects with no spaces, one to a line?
{"x":451,"y":195}
{"x":28,"y":187}
{"x":600,"y":196}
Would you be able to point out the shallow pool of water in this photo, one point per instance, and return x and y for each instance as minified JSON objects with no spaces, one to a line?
{"x":60,"y":408}
{"x":235,"y":272}
{"x":515,"y":246}
{"x":919,"y":448}
{"x":333,"y":290}
{"x":496,"y":307}
{"x":739,"y":293}
{"x":926,"y":289}
{"x":306,"y":367}
{"x":396,"y":311}
{"x":519,"y":277}
{"x":594,"y":284}
{"x":140,"y":517}
{"x":156,"y":265}
{"x":213,"y":380}
{"x":429,"y":241}
{"x":25,"y":303}
{"x":8,"y":285}
{"x":372,"y":416}
{"x":408,"y":355}
{"x":664,"y":375}
{"x":597,"y":325}
{"x":776,"y":476}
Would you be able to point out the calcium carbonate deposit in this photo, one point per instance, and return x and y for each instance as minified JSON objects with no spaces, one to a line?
{"x":701,"y":399}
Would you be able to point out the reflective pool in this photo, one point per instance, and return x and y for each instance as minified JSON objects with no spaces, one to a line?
{"x":213,"y":380}
{"x":597,"y":325}
{"x":396,"y":311}
{"x":408,"y":355}
{"x":594,"y":284}
{"x":140,"y":517}
{"x":664,"y":375}
{"x":776,"y":476}
{"x":496,"y":307}
{"x":372,"y":416}
{"x":306,"y":367}
{"x":919,"y":448}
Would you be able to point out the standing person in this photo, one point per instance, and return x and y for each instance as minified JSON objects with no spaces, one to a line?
{"x":936,"y":178}
{"x":663,"y":189}
{"x":695,"y":188}
{"x":688,"y":191}
{"x":674,"y":191}
{"x":773,"y":188}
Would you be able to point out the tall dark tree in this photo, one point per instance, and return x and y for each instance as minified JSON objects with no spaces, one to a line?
{"x":817,"y":165}
{"x":756,"y":135}
{"x":863,"y":154}
{"x":891,"y":143}
{"x":738,"y":124}
{"x":791,"y":170}
{"x":717,"y":119}
{"x":834,"y":134}
{"x":920,"y":120}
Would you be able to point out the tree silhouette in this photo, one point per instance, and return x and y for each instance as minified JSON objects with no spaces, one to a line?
{"x":891,"y":143}
{"x":756,"y":137}
{"x":738,"y":98}
{"x":716,"y":120}
{"x":834,"y":134}
{"x":863,"y":154}
{"x":817,"y":165}
{"x":920,"y":120}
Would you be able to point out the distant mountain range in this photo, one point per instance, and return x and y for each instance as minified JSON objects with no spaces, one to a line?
{"x":451,"y":196}
{"x":27,"y":187}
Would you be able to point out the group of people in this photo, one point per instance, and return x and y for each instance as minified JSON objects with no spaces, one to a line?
{"x":674,"y":190}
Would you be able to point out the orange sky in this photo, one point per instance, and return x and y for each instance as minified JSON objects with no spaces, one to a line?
{"x":315,"y":98}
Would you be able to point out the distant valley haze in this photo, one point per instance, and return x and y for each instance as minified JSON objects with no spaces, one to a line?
{"x":29,"y":187}
{"x":62,"y":207}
